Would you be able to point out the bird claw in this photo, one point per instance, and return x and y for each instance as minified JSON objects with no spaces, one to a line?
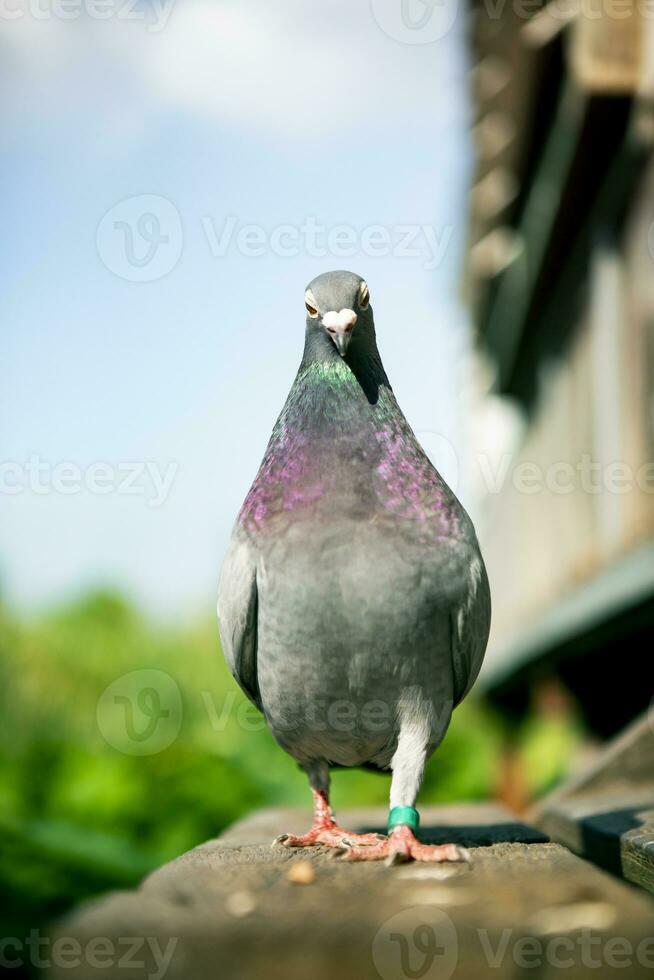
{"x":395,"y":858}
{"x":402,"y":846}
{"x":329,"y":835}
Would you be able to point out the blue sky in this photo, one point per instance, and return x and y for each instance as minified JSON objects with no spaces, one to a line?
{"x":273,"y":112}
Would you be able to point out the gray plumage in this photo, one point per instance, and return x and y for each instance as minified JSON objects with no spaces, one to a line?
{"x":353,"y":601}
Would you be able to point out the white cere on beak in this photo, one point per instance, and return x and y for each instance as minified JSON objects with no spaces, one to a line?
{"x":339,"y":326}
{"x":343,"y":320}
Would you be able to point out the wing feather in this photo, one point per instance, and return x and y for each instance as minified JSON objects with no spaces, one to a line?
{"x":237,"y":616}
{"x":470,"y":625}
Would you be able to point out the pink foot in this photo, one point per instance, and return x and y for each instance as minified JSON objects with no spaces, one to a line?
{"x":329,"y":834}
{"x":401,"y":845}
{"x":326,"y":831}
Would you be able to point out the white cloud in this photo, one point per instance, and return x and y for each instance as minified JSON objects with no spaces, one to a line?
{"x":278,"y":65}
{"x":283,"y":65}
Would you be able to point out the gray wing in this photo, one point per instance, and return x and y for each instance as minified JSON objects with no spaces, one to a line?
{"x":237,"y":616}
{"x":470,"y":622}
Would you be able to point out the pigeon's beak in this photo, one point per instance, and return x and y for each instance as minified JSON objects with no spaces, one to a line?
{"x":339,"y":326}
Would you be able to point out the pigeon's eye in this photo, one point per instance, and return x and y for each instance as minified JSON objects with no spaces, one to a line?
{"x":310,"y":303}
{"x":364,"y":296}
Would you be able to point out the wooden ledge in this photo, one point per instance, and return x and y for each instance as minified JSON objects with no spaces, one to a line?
{"x":236,"y":907}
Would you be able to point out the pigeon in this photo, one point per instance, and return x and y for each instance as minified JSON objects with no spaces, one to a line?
{"x":353,"y":600}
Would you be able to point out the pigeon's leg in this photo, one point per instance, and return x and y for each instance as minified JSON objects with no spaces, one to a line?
{"x":325,"y":830}
{"x":408,"y":766}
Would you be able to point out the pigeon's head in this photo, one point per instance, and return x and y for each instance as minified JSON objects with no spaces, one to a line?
{"x":338,"y":305}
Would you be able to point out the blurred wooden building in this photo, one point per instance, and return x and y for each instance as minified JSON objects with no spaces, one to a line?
{"x":560,"y":282}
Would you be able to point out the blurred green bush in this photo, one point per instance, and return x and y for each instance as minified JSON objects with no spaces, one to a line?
{"x":80,"y":812}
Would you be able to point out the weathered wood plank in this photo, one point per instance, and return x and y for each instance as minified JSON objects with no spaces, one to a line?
{"x":638,"y":852}
{"x":230,"y":910}
{"x":606,"y":813}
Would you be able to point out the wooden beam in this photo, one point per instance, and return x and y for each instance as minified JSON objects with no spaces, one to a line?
{"x":606,"y":813}
{"x":238,"y":908}
{"x":506,"y":318}
{"x":622,"y":584}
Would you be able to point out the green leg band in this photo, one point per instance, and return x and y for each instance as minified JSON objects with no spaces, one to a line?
{"x":403,"y":816}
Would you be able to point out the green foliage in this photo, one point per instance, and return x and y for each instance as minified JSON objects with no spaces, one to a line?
{"x":547,"y":745}
{"x":80,"y":812}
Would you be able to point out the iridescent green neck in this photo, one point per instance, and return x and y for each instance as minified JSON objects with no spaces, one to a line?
{"x":334,"y":371}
